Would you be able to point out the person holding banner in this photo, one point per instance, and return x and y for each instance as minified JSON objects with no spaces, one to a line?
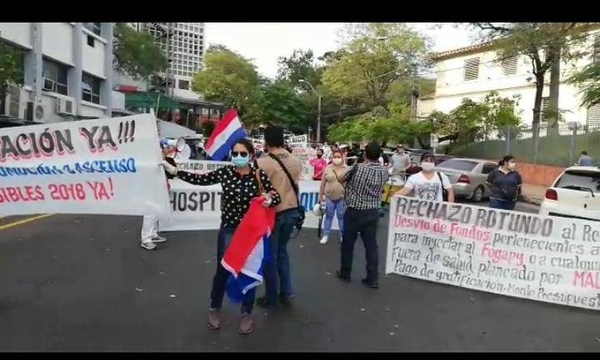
{"x":149,"y":233}
{"x":429,"y":184}
{"x":332,"y":193}
{"x":240,"y":185}
{"x":505,"y":184}
{"x":364,"y":188}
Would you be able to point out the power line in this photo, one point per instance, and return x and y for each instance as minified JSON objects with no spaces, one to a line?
{"x":585,"y":37}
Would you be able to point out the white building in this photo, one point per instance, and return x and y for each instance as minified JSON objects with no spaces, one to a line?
{"x":67,"y":70}
{"x":474,"y":71}
{"x":185,"y":49}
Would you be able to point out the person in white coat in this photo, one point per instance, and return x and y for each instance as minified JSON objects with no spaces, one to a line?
{"x":149,"y":233}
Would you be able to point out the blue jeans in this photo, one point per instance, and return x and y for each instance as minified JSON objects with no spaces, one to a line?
{"x":277,"y":272}
{"x":222,"y":275}
{"x":502,"y":204}
{"x":337,"y":207}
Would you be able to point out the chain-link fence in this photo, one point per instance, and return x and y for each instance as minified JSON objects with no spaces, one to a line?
{"x":559,"y":146}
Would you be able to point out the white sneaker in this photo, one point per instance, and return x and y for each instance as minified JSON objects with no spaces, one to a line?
{"x":148,"y":245}
{"x":324,"y":240}
{"x":158,"y":239}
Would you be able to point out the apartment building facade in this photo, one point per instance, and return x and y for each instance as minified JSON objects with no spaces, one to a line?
{"x":474,"y":71}
{"x":183,"y":44}
{"x":67,"y":70}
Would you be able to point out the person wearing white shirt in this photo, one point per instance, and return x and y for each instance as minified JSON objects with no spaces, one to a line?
{"x":428,"y":184}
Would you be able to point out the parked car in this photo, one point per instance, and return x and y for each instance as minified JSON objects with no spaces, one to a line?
{"x":441,"y":158}
{"x":468,"y":177}
{"x":575,"y":194}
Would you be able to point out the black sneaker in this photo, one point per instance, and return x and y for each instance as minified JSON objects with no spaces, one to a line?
{"x":372,"y":284}
{"x":342,"y":277}
{"x":262,"y":302}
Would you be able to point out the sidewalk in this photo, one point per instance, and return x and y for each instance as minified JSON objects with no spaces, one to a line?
{"x":533,"y":194}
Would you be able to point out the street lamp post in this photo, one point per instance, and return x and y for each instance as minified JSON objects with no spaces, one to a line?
{"x":319,"y":100}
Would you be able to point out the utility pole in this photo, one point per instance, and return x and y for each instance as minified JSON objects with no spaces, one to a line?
{"x":319,"y":100}
{"x":319,"y":118}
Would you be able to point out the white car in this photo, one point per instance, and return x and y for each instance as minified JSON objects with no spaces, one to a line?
{"x":574,"y":194}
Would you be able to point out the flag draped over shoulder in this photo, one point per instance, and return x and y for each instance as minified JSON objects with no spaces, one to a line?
{"x":249,"y":250}
{"x":224,"y":136}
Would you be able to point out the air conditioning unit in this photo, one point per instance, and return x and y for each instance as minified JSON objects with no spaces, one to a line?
{"x":65,"y":106}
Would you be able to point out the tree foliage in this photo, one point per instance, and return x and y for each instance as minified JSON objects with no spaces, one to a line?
{"x":10,"y":68}
{"x":135,"y":53}
{"x":380,"y":125}
{"x":373,"y":57}
{"x":473,"y":120}
{"x":543,"y":43}
{"x":229,"y":78}
{"x":300,"y":65}
{"x":588,"y":81}
{"x":282,"y":106}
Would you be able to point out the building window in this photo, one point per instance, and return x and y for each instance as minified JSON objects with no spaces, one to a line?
{"x":184,"y":84}
{"x":471,"y":69}
{"x":593,"y":116}
{"x":509,"y":66}
{"x":55,"y":77}
{"x":90,"y":86}
{"x":96,"y":28}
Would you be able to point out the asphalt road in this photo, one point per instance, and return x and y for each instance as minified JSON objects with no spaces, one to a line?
{"x":82,"y":283}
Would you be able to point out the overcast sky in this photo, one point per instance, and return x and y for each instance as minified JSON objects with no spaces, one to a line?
{"x":264,"y":42}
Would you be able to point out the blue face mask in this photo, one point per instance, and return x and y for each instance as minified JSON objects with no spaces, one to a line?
{"x":240,"y":161}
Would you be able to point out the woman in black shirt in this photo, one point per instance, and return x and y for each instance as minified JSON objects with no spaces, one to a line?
{"x":240,"y":186}
{"x":505,"y":184}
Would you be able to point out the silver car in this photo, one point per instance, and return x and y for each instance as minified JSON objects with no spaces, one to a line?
{"x":468,"y":177}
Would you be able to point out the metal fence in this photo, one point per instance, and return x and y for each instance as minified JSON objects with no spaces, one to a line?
{"x":560,"y":146}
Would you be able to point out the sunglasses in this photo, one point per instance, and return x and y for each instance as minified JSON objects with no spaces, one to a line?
{"x":239,"y":153}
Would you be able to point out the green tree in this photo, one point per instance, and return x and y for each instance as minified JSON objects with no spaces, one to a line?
{"x":135,"y":53}
{"x":545,"y":44}
{"x":373,"y":57}
{"x":10,"y":71}
{"x":588,"y":81}
{"x":299,"y":66}
{"x":229,"y":78}
{"x":402,"y":89}
{"x":380,"y":125}
{"x":473,"y":120}
{"x":282,"y":105}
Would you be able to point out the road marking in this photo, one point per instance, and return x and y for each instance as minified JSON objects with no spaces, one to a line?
{"x":24,"y":221}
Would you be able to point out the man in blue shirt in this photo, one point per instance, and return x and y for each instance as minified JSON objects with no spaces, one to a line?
{"x":584,"y":159}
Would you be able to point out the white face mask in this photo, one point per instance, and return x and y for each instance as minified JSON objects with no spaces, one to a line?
{"x":337,"y":161}
{"x":427,"y":166}
{"x":512,"y":165}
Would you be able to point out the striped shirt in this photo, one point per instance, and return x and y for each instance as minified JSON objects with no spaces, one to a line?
{"x":364,"y":185}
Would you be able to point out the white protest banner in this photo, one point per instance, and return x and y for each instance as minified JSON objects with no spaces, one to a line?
{"x":194,"y":207}
{"x":305,"y":154}
{"x":550,"y":259}
{"x":104,"y":166}
{"x":298,"y":139}
{"x":199,"y":207}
